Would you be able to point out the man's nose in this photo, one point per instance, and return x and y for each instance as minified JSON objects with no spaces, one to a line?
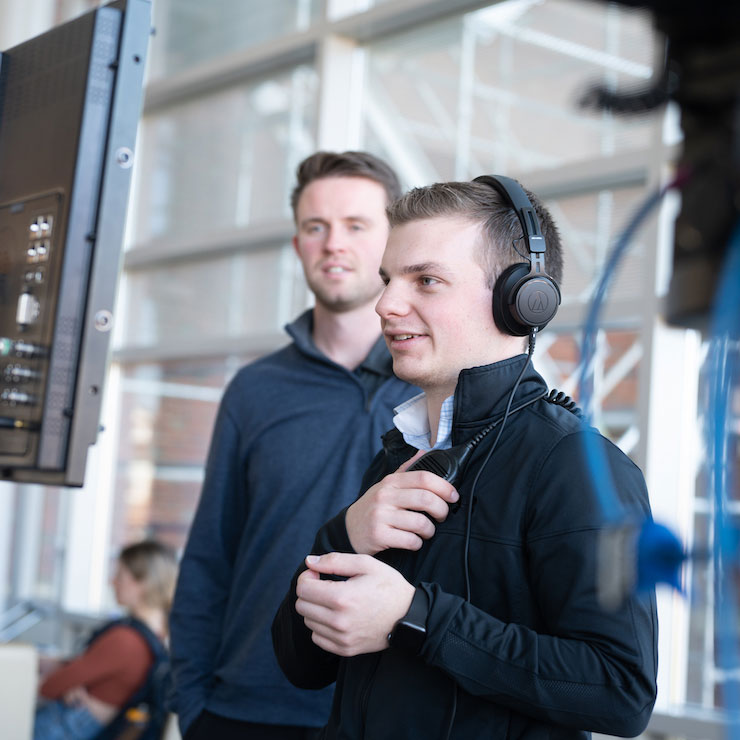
{"x":391,"y":303}
{"x":334,"y":241}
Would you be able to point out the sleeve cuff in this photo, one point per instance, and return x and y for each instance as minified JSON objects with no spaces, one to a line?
{"x":333,"y":537}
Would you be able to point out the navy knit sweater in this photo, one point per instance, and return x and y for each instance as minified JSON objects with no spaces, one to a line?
{"x":293,"y":436}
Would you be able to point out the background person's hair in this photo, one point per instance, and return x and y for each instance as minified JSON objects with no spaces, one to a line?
{"x":153,"y":564}
{"x":345,"y":164}
{"x":502,"y":243}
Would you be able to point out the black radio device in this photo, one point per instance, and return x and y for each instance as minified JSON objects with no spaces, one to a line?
{"x":450,"y":463}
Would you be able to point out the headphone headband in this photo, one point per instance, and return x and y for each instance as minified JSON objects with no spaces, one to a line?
{"x":515,"y":196}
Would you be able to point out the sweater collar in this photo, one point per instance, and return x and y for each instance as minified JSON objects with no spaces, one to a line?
{"x":378,"y":360}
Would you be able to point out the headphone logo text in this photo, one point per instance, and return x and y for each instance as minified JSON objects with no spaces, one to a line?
{"x":537,"y":302}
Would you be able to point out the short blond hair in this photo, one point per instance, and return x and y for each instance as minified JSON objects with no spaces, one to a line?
{"x":154,"y":565}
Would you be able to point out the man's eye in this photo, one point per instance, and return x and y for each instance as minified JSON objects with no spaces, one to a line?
{"x":428,"y":281}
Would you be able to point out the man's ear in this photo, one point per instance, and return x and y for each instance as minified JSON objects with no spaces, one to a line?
{"x":295,"y":244}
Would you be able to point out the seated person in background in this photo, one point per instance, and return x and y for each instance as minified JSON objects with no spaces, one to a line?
{"x":87,"y":692}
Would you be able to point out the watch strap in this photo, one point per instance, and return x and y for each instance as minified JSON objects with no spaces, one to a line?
{"x":410,"y":631}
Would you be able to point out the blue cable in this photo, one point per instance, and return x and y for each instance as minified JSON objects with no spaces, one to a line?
{"x":659,"y":553}
{"x":604,"y":484}
{"x":724,"y":371}
{"x":610,"y":268}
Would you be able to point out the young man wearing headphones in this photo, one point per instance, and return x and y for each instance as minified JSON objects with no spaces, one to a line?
{"x":471,"y":611}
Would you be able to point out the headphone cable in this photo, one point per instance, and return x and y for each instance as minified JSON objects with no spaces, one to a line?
{"x":469,"y":511}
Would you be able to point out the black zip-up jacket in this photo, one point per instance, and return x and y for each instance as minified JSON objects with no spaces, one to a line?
{"x":533,"y":654}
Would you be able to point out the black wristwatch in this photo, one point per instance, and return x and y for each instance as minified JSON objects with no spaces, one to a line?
{"x":411,"y":630}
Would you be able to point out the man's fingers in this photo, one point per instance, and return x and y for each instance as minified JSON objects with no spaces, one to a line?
{"x":317,"y":613}
{"x":405,"y":466}
{"x":340,"y":563}
{"x":422,"y":500}
{"x":414,"y":523}
{"x":325,"y":626}
{"x":403,"y":540}
{"x":428,"y":480}
{"x":432,"y":483}
{"x":419,"y":490}
{"x":422,"y":479}
{"x":374,"y":515}
{"x":332,"y":644}
{"x":312,"y":589}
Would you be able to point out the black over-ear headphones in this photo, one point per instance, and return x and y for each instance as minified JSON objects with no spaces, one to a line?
{"x":525,"y":297}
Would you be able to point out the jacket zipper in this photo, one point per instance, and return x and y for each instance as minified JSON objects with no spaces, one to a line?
{"x":365,"y":697}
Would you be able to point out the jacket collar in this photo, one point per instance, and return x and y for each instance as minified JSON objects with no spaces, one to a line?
{"x":482,"y":394}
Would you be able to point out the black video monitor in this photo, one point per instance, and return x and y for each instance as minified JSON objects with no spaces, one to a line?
{"x":70,"y":101}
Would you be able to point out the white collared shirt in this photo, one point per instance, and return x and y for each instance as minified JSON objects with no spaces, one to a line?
{"x":412,"y":420}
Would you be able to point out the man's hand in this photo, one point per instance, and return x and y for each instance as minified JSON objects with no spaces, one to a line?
{"x":354,"y":616}
{"x":391,"y":514}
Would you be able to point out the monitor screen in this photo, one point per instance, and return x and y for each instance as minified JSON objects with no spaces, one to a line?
{"x":70,"y":101}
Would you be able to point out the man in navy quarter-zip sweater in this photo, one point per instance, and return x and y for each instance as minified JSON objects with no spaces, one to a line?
{"x":472,"y":612}
{"x":294,"y":433}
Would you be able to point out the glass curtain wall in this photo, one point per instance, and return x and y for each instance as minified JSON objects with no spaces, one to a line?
{"x":210,"y":264}
{"x":496,"y":91}
{"x":238,"y":94}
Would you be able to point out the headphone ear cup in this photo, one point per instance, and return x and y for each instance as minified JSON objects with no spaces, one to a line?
{"x":523,"y":300}
{"x":502,"y":293}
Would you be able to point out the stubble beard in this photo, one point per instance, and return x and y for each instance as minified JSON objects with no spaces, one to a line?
{"x":345,"y":299}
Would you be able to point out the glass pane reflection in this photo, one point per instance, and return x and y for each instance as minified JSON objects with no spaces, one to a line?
{"x":589,"y":225}
{"x":167,"y":415}
{"x":496,"y":90}
{"x":255,"y":292}
{"x":225,"y":160}
{"x":190,"y":32}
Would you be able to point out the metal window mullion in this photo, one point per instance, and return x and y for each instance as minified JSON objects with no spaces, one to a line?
{"x":249,"y":345}
{"x":299,"y":103}
{"x":667,"y":412}
{"x":27,"y":549}
{"x":612,"y":33}
{"x":338,"y":107}
{"x":243,"y":195}
{"x":651,"y":305}
{"x":88,"y":523}
{"x":465,"y":101}
{"x":8,"y":516}
{"x":158,"y":252}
